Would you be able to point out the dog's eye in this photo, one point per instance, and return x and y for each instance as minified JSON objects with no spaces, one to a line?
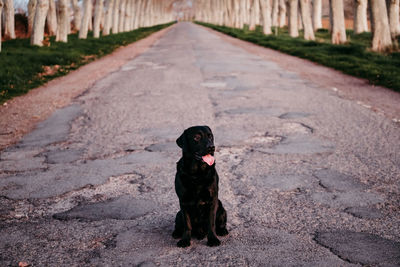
{"x":197,"y":137}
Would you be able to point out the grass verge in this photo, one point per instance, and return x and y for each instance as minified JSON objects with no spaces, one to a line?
{"x":353,"y":58}
{"x":23,"y":67}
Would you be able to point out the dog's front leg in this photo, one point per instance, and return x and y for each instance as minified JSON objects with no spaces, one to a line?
{"x":212,"y":239}
{"x":187,"y":231}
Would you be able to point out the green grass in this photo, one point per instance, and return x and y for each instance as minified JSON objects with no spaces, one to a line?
{"x":353,"y":58}
{"x":22,"y":65}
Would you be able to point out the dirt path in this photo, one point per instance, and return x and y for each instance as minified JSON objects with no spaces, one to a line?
{"x":20,"y":115}
{"x":308,"y":177}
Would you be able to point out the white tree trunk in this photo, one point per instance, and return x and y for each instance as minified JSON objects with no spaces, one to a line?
{"x":360,"y":16}
{"x":9,"y":22}
{"x":266,"y":16}
{"x":122,"y":5}
{"x":128,"y":16}
{"x":393,"y":11}
{"x":282,"y":13}
{"x":77,"y":15}
{"x":381,"y":40}
{"x":31,"y":15}
{"x":98,"y":10}
{"x":108,"y":17}
{"x":137,"y":14}
{"x":255,"y":15}
{"x":115,"y":24}
{"x":1,"y":12}
{"x":307,"y":21}
{"x":39,"y":22}
{"x":242,"y":13}
{"x":293,"y":20}
{"x":63,"y":21}
{"x":317,"y":14}
{"x":87,"y":15}
{"x":52,"y":18}
{"x":275,"y":13}
{"x":338,"y":26}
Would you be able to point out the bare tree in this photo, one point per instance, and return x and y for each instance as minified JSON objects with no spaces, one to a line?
{"x":317,"y":14}
{"x":305,"y":6}
{"x":1,"y":11}
{"x":39,"y":22}
{"x":51,"y":19}
{"x":87,"y":15}
{"x":275,"y":12}
{"x":266,"y":15}
{"x":9,"y":22}
{"x":293,"y":20}
{"x":31,"y":15}
{"x":77,"y":15}
{"x":393,"y":11}
{"x":282,"y":13}
{"x":254,"y":17}
{"x":360,"y":16}
{"x":63,"y":21}
{"x":338,"y":26}
{"x":121,"y":20}
{"x":108,"y":17}
{"x":381,"y":40}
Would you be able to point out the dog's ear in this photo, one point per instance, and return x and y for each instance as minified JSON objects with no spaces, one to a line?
{"x":182,"y":141}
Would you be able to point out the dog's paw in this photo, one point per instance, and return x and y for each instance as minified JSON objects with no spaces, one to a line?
{"x":183,"y":243}
{"x":213,"y":242}
{"x":177,"y":234}
{"x":222,"y":232}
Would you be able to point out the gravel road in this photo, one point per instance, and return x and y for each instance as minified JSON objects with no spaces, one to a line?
{"x":308,"y":177}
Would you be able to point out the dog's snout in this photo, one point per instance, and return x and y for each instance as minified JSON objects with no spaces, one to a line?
{"x":211,"y":148}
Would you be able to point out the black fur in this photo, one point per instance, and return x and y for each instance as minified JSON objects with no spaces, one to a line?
{"x":196,"y":184}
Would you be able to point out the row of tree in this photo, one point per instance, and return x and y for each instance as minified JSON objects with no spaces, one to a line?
{"x":306,"y":15}
{"x":101,"y":16}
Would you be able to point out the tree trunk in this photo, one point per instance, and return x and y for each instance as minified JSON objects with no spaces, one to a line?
{"x":115,"y":23}
{"x":77,"y":15}
{"x":242,"y":14}
{"x":98,"y":10}
{"x":9,"y":22}
{"x":87,"y":15}
{"x":266,"y":16}
{"x":137,"y":14}
{"x":393,"y":11}
{"x":305,"y":6}
{"x":317,"y":14}
{"x":121,"y":22}
{"x":128,"y":16}
{"x":338,"y":26}
{"x":282,"y":13}
{"x":1,"y":11}
{"x":360,"y":16}
{"x":108,"y":17}
{"x":275,"y":13}
{"x":293,"y":20}
{"x":254,"y":18}
{"x":39,"y":22}
{"x":381,"y":39}
{"x":31,"y":15}
{"x":63,"y":21}
{"x":52,"y":18}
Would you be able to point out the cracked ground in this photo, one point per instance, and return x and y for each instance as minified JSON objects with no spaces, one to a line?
{"x":308,"y":178}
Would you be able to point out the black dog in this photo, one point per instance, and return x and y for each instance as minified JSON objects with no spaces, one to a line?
{"x":196,"y":184}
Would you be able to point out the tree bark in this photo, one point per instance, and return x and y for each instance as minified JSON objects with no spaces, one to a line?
{"x":63,"y":21}
{"x":282,"y":13}
{"x":98,"y":10}
{"x":275,"y":13}
{"x":393,"y":11}
{"x":266,"y":16}
{"x":317,"y":14}
{"x":1,"y":12}
{"x":122,"y":5}
{"x":77,"y":15}
{"x":305,"y":6}
{"x":115,"y":23}
{"x":87,"y":15}
{"x":39,"y":22}
{"x":108,"y":17}
{"x":137,"y":13}
{"x":360,"y":16}
{"x":254,"y":18}
{"x":9,"y":21}
{"x":31,"y":15}
{"x":293,"y":20}
{"x":51,"y":19}
{"x":338,"y":26}
{"x":381,"y":39}
{"x":242,"y":14}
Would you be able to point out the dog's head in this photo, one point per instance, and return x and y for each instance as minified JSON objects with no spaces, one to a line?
{"x":198,"y":142}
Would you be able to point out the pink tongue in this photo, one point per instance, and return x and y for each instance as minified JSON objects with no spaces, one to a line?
{"x":208,"y":159}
